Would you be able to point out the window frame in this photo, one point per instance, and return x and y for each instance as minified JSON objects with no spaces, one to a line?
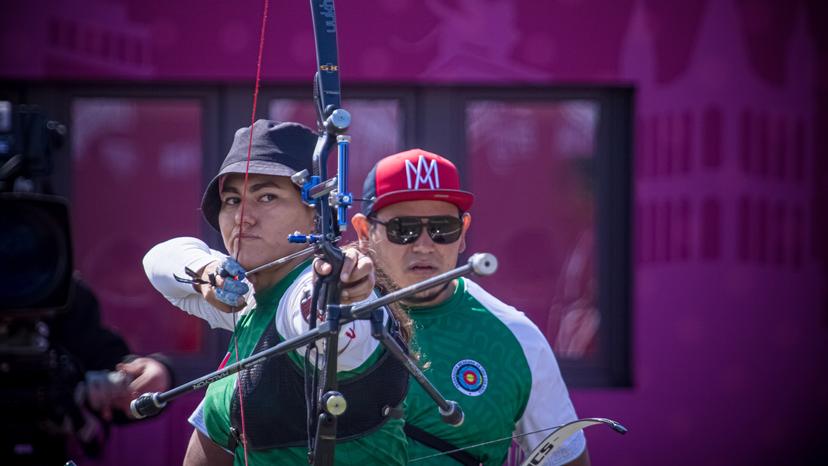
{"x":614,"y":170}
{"x":433,"y":118}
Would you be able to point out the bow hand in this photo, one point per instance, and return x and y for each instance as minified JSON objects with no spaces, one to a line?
{"x":357,"y":276}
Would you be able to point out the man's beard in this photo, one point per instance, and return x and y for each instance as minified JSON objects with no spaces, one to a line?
{"x":426,"y":296}
{"x":388,"y":285}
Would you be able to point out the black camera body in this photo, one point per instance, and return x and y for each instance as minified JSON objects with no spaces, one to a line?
{"x":35,"y":239}
{"x":36,"y":251}
{"x":28,"y":140}
{"x":38,"y":379}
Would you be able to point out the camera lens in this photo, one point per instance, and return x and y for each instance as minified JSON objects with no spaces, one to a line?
{"x":35,"y":253}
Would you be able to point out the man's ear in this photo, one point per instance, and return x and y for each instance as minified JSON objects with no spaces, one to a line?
{"x":361,"y":225}
{"x":466,"y":225}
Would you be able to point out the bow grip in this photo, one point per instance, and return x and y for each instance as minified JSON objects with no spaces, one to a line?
{"x":331,"y":284}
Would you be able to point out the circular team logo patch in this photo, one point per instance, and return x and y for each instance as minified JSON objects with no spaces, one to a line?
{"x":469,"y":377}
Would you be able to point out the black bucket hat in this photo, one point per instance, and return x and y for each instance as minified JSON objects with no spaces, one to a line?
{"x":279,"y":149}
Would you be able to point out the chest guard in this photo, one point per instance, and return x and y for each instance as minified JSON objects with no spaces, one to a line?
{"x":274,"y":399}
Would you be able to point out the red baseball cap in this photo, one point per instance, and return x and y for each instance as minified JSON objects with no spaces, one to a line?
{"x":413,"y":175}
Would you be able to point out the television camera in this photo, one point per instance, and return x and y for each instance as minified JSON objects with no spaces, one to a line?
{"x":45,"y":391}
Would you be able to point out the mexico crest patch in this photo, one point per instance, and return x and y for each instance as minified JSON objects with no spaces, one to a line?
{"x":469,"y":377}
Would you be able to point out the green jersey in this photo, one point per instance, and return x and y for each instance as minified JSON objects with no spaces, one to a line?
{"x":387,"y":445}
{"x":492,"y":360}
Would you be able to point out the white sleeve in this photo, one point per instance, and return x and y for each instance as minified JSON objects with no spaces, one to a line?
{"x":549,"y":404}
{"x":196,"y":419}
{"x":170,"y":257}
{"x":356,"y":345}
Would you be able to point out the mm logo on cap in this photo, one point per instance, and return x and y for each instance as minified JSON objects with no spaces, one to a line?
{"x":425,"y":172}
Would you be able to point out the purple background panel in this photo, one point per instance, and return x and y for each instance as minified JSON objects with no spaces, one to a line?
{"x":130,"y":191}
{"x":730,"y":316}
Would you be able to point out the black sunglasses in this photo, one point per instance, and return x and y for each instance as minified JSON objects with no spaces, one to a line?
{"x":442,"y":229}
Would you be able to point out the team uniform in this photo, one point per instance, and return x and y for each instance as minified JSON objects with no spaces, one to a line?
{"x":273,"y":390}
{"x":492,"y":360}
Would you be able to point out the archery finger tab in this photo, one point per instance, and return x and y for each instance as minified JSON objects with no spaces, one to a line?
{"x":228,"y":297}
{"x":236,"y":286}
{"x":231,"y":268}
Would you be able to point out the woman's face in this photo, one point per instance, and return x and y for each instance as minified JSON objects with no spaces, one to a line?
{"x":273,"y":209}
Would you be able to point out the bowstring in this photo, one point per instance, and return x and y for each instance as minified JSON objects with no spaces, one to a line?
{"x":488,"y":442}
{"x":239,"y":389}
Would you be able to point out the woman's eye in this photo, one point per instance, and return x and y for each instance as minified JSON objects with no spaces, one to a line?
{"x":267,"y":197}
{"x":231,"y":200}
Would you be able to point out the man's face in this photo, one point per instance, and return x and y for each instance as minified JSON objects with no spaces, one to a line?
{"x":407,"y":264}
{"x":273,"y":210}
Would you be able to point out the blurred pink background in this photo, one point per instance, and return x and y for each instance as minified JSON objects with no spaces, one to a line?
{"x":729,"y":315}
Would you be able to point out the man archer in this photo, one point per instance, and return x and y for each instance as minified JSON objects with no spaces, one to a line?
{"x":477,"y":350}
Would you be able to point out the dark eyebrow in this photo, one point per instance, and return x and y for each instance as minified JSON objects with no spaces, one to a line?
{"x":266,"y":184}
{"x":253,"y":188}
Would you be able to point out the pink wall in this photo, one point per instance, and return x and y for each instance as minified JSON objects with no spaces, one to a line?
{"x":730,"y":312}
